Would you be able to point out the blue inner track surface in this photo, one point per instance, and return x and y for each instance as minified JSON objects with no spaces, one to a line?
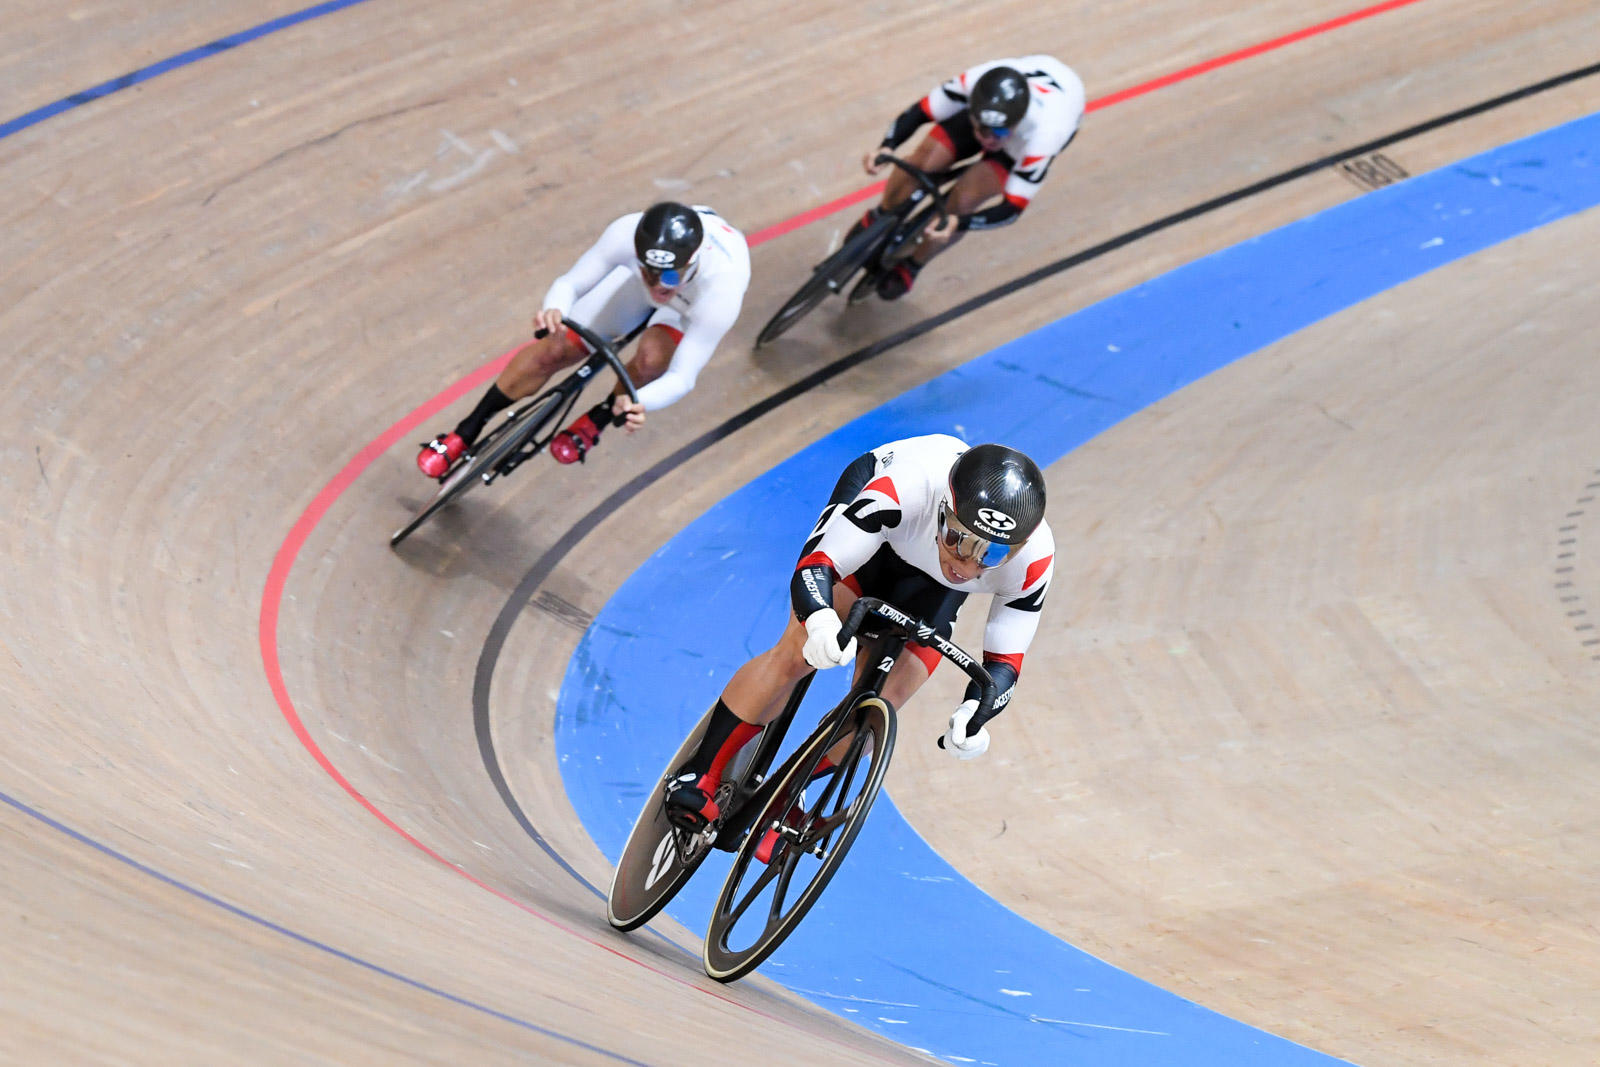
{"x":901,"y":942}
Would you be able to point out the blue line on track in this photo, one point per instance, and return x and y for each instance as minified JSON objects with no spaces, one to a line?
{"x":310,"y":942}
{"x":193,"y":55}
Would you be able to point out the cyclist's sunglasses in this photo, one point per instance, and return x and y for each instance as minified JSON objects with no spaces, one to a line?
{"x":998,"y":133}
{"x":672,"y":277}
{"x":964,"y":544}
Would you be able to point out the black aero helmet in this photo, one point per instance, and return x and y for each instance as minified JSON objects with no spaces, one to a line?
{"x":999,"y":98}
{"x":995,"y":502}
{"x":666,"y":240}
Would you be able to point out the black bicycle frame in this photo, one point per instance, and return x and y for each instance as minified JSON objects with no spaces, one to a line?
{"x":901,"y":628}
{"x":928,"y":187}
{"x":570,"y":389}
{"x":601,"y":355}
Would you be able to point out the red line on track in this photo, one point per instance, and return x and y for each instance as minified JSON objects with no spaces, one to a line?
{"x":272,"y":599}
{"x":824,"y":210}
{"x":283,"y":562}
{"x":806,"y":218}
{"x":1247,"y":53}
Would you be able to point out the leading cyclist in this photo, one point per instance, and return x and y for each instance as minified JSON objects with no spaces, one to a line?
{"x":920,"y":523}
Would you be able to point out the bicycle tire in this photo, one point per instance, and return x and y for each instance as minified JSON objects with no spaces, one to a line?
{"x":652,"y":868}
{"x":823,"y":829}
{"x":827,"y":277}
{"x":812,"y":293}
{"x":511,"y":433}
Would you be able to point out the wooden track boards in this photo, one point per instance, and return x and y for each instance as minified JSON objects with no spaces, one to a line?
{"x":220,"y":285}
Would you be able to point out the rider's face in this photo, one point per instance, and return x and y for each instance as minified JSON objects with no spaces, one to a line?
{"x":955,"y":568}
{"x":988,"y":139}
{"x":656,"y":283}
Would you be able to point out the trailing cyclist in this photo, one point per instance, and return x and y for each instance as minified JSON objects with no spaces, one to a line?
{"x":1018,"y":113}
{"x":920,"y":523}
{"x":674,"y":272}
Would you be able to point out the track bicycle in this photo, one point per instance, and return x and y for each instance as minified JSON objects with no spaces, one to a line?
{"x":787,"y":847}
{"x":524,"y":431}
{"x":888,"y":239}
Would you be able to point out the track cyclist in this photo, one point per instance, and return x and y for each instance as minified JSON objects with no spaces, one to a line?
{"x":673,"y":275}
{"x":1019,"y":114}
{"x":920,"y":523}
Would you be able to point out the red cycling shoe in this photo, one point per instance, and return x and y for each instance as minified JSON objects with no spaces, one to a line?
{"x":896,"y":282}
{"x":436,"y":456}
{"x":571,"y":444}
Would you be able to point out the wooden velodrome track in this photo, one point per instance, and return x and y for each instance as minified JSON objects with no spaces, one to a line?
{"x":223,"y":694}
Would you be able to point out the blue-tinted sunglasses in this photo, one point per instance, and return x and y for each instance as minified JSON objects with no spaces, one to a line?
{"x":969,"y":546}
{"x":672,"y":277}
{"x":999,"y":133}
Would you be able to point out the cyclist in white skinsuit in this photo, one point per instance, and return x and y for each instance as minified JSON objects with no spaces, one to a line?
{"x":1018,"y":113}
{"x":673,"y":275}
{"x":920,"y":523}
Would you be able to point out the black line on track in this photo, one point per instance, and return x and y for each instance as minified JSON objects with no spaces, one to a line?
{"x":494,"y":643}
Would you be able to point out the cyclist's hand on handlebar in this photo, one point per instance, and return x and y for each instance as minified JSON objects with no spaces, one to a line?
{"x":548,"y":320}
{"x":822,"y":641}
{"x":956,"y":742}
{"x":941,"y":229}
{"x":632,"y":410}
{"x":870,"y":162}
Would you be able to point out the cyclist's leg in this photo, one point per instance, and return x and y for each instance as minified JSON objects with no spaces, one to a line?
{"x":935,"y":152}
{"x":653,"y":355}
{"x":936,"y":605}
{"x":951,"y":140}
{"x":533,"y":363}
{"x":751,"y":698}
{"x":530,"y":367}
{"x":979,"y":185}
{"x":759,"y":689}
{"x":609,"y":308}
{"x":658,"y":343}
{"x":942,"y":146}
{"x":619,"y":309}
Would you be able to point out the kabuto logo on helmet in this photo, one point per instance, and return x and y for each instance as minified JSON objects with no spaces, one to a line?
{"x":997,"y":493}
{"x":667,"y":237}
{"x":997,"y":521}
{"x":993,"y":119}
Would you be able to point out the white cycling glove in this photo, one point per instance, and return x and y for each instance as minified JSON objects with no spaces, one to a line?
{"x":956,"y":741}
{"x":822,"y":641}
